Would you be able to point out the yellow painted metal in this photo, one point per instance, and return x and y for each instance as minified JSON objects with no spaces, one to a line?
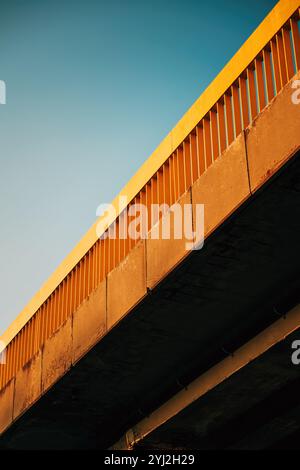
{"x":231,"y":72}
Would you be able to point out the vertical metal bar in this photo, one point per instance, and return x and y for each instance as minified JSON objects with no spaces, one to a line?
{"x":58,"y":306}
{"x":236,"y":109}
{"x":252,"y":93}
{"x":260,"y":83}
{"x":106,"y":252}
{"x":75,"y":288}
{"x":244,"y":101}
{"x":166,"y":173}
{"x":187,"y":163}
{"x":47,"y":317}
{"x":288,"y":55}
{"x":51,"y":317}
{"x":87,"y":274}
{"x":126,"y":241}
{"x":207,"y":142}
{"x":122,"y":241}
{"x":68,"y":296}
{"x":281,"y":58}
{"x":214,"y":133}
{"x":63,"y":301}
{"x":296,"y":42}
{"x":12,"y":361}
{"x":71,"y":292}
{"x":112,"y":245}
{"x":95,"y":280}
{"x":99,"y":261}
{"x":275,"y":58}
{"x":143,"y":202}
{"x":229,"y":118}
{"x":117,"y":249}
{"x":171,"y":177}
{"x":269,"y":74}
{"x":160,"y":184}
{"x":180,"y":172}
{"x":42,"y":314}
{"x":25,"y":345}
{"x":149,"y":203}
{"x":154,"y":198}
{"x":194,"y":157}
{"x":96,"y":272}
{"x":82,"y":278}
{"x":80,"y":281}
{"x":121,"y":244}
{"x":222,"y":125}
{"x":200,"y":148}
{"x":137,"y":202}
{"x":28,"y":344}
{"x":89,"y":279}
{"x":57,"y":303}
{"x":110,"y":251}
{"x":103,"y":257}
{"x":130,"y":219}
{"x":175,"y":181}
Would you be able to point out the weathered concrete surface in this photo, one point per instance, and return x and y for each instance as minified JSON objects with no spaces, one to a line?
{"x":273,"y":137}
{"x":57,"y":355}
{"x":164,"y":254}
{"x":126,"y":284}
{"x":223,"y":187}
{"x":6,"y":408}
{"x":28,"y":384}
{"x":89,"y":322}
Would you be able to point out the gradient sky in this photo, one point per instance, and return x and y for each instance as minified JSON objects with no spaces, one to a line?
{"x":92,"y":88}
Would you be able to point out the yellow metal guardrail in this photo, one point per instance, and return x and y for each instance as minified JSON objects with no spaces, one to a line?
{"x":257,"y":72}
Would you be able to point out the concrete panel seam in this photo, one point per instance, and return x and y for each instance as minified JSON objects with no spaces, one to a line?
{"x":193,"y":221}
{"x":106,"y":303}
{"x":145,"y":267}
{"x":245,"y":132}
{"x":13,"y":403}
{"x":72,"y":338}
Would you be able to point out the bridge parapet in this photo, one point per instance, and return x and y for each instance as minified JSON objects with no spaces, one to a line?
{"x":183,"y":163}
{"x":249,"y":162}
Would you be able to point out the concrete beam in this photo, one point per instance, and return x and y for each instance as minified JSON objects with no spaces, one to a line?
{"x":213,"y":377}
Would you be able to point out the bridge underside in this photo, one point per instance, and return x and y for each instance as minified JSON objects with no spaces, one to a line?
{"x":255,"y":408}
{"x":217,"y":299}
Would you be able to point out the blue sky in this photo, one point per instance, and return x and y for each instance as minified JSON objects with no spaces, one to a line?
{"x":92,"y":88}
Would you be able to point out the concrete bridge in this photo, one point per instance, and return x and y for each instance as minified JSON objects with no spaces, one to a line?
{"x":143,"y":343}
